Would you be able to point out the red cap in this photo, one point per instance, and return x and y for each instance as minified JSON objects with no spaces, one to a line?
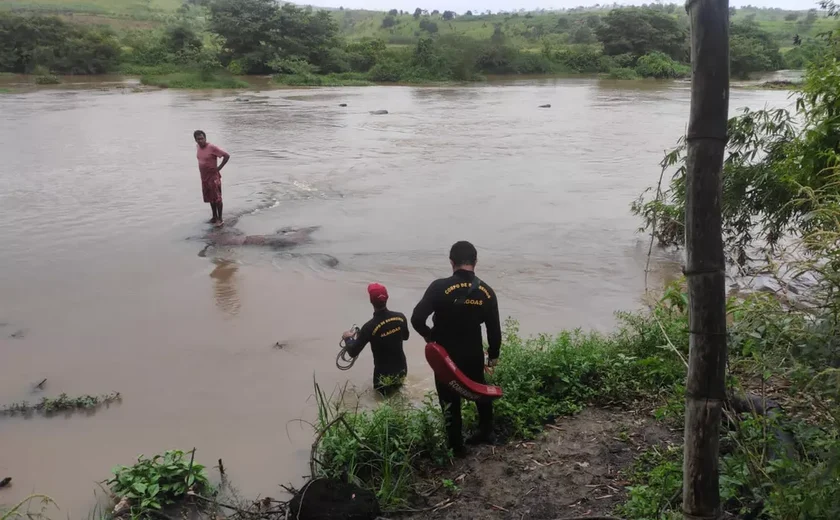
{"x":377,"y":292}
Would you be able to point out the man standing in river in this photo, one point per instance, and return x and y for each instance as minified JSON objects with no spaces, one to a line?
{"x":385,"y":332}
{"x":211,"y":173}
{"x":461,"y":303}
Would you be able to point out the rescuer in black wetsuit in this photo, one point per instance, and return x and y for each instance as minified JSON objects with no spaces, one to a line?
{"x":386,"y":333}
{"x":461,"y":303}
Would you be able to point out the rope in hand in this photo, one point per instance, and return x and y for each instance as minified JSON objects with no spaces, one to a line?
{"x":343,"y":360}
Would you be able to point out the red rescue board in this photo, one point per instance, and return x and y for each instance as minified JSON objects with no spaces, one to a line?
{"x":447,"y":373}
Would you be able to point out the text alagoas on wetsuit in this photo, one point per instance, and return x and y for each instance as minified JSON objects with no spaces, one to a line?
{"x":389,"y":320}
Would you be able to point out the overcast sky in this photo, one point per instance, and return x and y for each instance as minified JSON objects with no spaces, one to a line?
{"x":461,"y":6}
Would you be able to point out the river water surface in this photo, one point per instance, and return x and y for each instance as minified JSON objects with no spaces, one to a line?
{"x":104,"y":289}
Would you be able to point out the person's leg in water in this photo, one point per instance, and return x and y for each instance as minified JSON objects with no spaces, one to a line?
{"x":388,"y":385}
{"x":215,"y":213}
{"x":219,"y":220}
{"x":450,"y":403}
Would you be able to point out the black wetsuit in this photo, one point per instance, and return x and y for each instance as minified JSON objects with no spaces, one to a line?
{"x":386,"y":333}
{"x":460,"y":306}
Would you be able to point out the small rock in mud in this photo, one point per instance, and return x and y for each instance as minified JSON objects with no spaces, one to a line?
{"x":280,"y":346}
{"x":327,"y":499}
{"x":19,"y":334}
{"x":5,"y":482}
{"x":342,"y":104}
{"x":378,"y":112}
{"x":545,"y":106}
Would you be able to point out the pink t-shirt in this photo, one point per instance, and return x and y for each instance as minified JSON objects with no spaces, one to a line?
{"x":207,"y":156}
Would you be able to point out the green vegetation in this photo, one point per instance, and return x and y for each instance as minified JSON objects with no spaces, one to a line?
{"x":62,"y":403}
{"x":305,"y":46}
{"x":22,"y":510}
{"x":781,"y":202}
{"x":349,"y":79}
{"x":152,"y":484}
{"x":47,"y":79}
{"x":772,"y":162}
{"x":194,"y":80}
{"x":661,"y":66}
{"x":33,"y":44}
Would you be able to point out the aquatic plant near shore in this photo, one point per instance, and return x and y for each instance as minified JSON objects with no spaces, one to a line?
{"x":62,"y":403}
{"x":152,"y":484}
{"x":47,"y":79}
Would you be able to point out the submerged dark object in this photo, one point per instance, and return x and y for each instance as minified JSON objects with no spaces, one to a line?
{"x":328,"y":499}
{"x":378,"y":112}
{"x":5,"y":482}
{"x":545,"y":106}
{"x":283,"y":238}
{"x":342,"y":104}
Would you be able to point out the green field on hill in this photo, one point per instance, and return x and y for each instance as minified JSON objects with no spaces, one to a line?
{"x":526,"y":29}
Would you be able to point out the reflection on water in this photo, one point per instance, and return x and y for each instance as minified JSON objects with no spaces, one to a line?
{"x":224,"y":288}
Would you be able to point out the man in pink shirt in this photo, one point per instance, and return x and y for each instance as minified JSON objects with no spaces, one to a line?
{"x":211,"y":173}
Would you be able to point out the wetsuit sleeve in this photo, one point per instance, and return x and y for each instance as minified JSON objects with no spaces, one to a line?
{"x":406,"y":332}
{"x":424,"y":308}
{"x":355,"y":346}
{"x":494,"y":329}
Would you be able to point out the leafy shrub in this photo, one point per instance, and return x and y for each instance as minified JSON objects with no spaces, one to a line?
{"x":327,"y":80}
{"x":152,"y":484}
{"x":583,"y":59}
{"x":194,"y":80}
{"x":660,"y":66}
{"x":47,"y":79}
{"x":29,"y":42}
{"x":387,"y":71}
{"x":622,"y":73}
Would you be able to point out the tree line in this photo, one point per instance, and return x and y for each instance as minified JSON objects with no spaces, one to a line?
{"x":264,"y":37}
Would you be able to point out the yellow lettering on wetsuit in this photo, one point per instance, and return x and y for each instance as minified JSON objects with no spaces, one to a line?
{"x":392,"y":331}
{"x":473,"y":302}
{"x":456,"y":286}
{"x":389,"y":320}
{"x":463,"y":285}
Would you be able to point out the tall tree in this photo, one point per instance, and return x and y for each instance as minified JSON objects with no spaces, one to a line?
{"x":705,"y":264}
{"x":640,"y":31}
{"x":248,"y":28}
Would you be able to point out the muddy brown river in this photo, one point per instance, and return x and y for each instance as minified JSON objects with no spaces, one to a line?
{"x":107,"y":286}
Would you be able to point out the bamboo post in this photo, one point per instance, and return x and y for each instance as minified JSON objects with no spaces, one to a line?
{"x":705,"y":264}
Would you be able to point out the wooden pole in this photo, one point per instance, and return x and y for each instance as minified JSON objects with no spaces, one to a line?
{"x":705,"y":264}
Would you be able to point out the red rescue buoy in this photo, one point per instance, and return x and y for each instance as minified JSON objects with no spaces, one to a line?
{"x":450,"y":375}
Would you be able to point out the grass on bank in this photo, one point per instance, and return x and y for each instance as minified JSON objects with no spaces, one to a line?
{"x":642,"y":363}
{"x":349,"y":79}
{"x":194,"y":80}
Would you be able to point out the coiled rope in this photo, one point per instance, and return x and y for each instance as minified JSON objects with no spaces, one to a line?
{"x":343,"y":361}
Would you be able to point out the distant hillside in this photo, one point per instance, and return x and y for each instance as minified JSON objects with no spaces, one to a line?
{"x":570,"y":26}
{"x":528,"y":29}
